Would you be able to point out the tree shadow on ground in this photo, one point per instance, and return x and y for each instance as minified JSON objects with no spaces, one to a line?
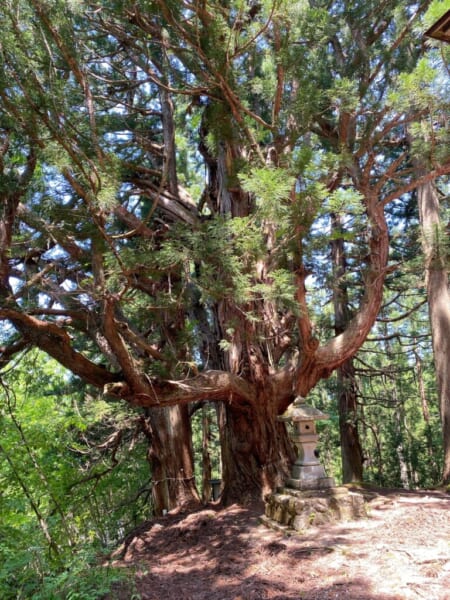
{"x":216,"y":554}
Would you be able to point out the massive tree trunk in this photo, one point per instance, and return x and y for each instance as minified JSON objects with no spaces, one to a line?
{"x":171,"y":459}
{"x":436,"y":256}
{"x":255,"y":449}
{"x":256,"y":452}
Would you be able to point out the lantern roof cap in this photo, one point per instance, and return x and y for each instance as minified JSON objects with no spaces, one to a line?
{"x":441,"y":29}
{"x":300,"y":411}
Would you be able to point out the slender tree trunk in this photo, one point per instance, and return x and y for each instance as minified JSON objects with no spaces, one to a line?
{"x":404,"y":465}
{"x":351,"y":450}
{"x":206,"y":457}
{"x":421,"y":385}
{"x":426,"y":417}
{"x":170,"y":177}
{"x":438,"y":305}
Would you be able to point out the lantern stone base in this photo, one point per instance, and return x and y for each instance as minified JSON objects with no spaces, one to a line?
{"x":309,"y":476}
{"x":293,"y":509}
{"x":311,"y":484}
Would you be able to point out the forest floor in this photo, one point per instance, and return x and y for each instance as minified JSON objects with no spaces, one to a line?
{"x":400,"y":552}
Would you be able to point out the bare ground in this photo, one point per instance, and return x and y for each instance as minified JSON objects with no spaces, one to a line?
{"x":400,"y":552}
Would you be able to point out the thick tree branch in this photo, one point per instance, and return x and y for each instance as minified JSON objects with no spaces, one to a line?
{"x":131,"y":370}
{"x":211,"y":385}
{"x":320,"y":361}
{"x":417,"y":182}
{"x":57,"y":343}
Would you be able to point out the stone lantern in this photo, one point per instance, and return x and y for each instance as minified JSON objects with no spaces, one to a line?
{"x":308,"y":497}
{"x":307,"y":472}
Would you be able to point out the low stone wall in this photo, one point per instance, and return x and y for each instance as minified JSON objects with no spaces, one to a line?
{"x":299,"y":509}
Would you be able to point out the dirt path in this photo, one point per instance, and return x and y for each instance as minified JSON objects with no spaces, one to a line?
{"x":401,"y":552}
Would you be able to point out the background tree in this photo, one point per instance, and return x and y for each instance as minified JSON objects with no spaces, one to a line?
{"x":436,"y":261}
{"x":425,"y":146}
{"x":351,"y":450}
{"x":397,"y":409}
{"x":396,"y":405}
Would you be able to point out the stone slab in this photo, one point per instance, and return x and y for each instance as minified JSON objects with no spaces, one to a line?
{"x":297,"y":510}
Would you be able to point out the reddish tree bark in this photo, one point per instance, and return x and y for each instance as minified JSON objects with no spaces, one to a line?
{"x":171,"y":459}
{"x":436,"y":269}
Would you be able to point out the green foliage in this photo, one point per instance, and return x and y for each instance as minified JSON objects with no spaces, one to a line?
{"x":208,"y":412}
{"x":344,"y":95}
{"x":272,"y":188}
{"x":81,"y":579}
{"x":279,"y":289}
{"x":402,"y":444}
{"x":435,"y":11}
{"x":107,"y":196}
{"x":415,"y":89}
{"x":65,"y":497}
{"x":220,"y":259}
{"x":264,"y":85}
